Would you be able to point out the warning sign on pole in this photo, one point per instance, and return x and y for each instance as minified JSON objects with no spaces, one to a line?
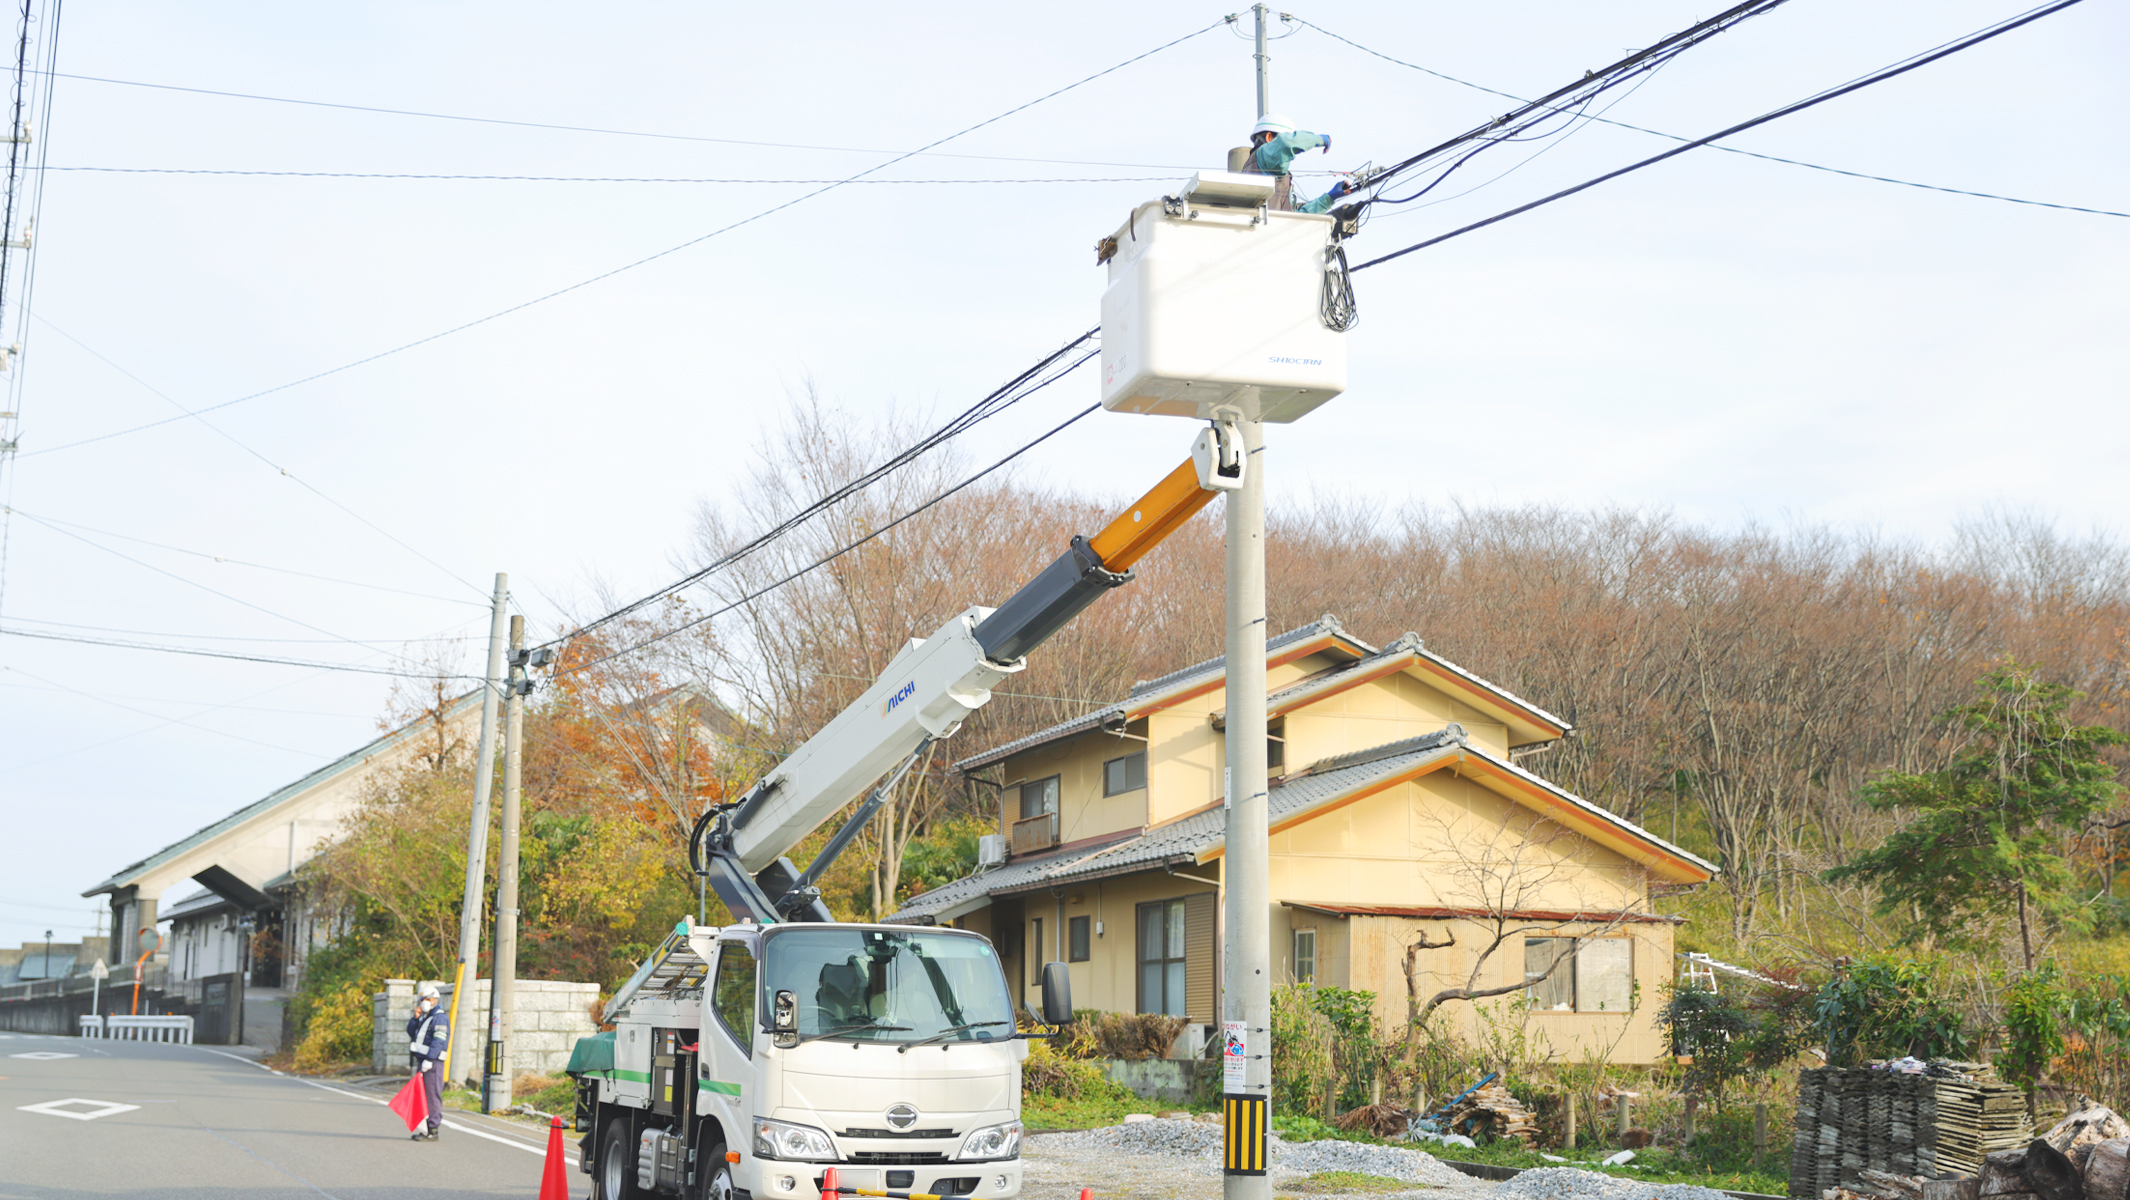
{"x":1234,"y":1052}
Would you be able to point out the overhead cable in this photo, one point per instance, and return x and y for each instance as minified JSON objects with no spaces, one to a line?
{"x":185,"y":721}
{"x":1602,"y":120}
{"x":1880,"y":76}
{"x":195,"y":652}
{"x":651,"y":258}
{"x":593,"y":178}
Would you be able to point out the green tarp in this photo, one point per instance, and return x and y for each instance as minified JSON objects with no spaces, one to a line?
{"x":593,"y":1054}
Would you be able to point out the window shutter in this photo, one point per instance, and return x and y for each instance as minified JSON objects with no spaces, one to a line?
{"x":1199,"y":969}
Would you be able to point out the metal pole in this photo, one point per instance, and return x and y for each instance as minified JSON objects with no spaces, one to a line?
{"x":1249,"y":907}
{"x":1264,"y":60}
{"x":477,"y":841}
{"x":503,"y":994}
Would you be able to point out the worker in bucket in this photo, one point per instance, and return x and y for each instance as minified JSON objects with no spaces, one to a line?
{"x":428,"y":1033}
{"x":1274,"y":144}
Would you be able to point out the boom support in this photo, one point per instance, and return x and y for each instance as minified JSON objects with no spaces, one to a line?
{"x":924,"y":695}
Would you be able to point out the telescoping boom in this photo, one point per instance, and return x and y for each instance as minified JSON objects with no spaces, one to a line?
{"x":925,"y":694}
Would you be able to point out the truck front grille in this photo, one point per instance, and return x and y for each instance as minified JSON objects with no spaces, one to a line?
{"x":887,"y":1158}
{"x":898,"y":1133}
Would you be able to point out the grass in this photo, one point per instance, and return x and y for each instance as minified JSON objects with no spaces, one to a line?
{"x":1653,"y":1164}
{"x":1345,"y":1183}
{"x":1041,"y":1112}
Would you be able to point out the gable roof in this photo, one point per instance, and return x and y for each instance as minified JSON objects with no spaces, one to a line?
{"x":130,"y":874}
{"x":1523,"y":719}
{"x":1322,"y":787}
{"x":1325,"y":634}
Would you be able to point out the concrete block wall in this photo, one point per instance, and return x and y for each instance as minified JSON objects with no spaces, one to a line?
{"x":548,"y":1018}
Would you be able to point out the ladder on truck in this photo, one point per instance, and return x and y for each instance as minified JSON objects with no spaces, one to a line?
{"x":1700,"y":971}
{"x":673,"y":966}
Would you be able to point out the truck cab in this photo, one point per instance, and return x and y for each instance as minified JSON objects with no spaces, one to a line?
{"x":755,"y":1056}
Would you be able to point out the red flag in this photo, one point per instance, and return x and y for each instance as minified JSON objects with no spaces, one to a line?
{"x":412,"y":1103}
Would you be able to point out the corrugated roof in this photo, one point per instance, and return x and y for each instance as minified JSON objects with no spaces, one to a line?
{"x":1326,"y":625}
{"x":125,"y":876}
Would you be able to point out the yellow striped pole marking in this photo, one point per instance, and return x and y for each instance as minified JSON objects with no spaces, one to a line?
{"x":1243,"y":1120}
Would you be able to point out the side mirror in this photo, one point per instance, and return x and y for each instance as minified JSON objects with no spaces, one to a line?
{"x":1057,"y":994}
{"x":784,"y":1015}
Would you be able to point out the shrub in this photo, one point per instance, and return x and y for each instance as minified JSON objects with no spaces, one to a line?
{"x":337,"y":1033}
{"x":1048,"y":1073}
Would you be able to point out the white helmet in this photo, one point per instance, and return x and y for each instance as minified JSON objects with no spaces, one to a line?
{"x":1273,"y":123}
{"x":428,"y":992}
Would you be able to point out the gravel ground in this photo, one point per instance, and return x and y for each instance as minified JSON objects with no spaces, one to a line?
{"x":1567,"y":1183}
{"x":1180,"y":1160}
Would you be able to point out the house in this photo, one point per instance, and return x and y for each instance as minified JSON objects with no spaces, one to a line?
{"x":1408,"y":842}
{"x":247,"y":918}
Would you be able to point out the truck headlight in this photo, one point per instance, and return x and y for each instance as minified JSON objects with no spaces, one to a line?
{"x":992,"y":1141}
{"x":792,"y":1143}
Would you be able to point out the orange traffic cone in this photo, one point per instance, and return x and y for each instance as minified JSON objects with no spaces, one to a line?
{"x":828,"y":1182}
{"x":554,"y":1181}
{"x":1087,"y":1194}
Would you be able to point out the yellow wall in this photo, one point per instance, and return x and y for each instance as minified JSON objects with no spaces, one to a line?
{"x":1083,"y":811}
{"x":1390,"y":709}
{"x":1109,"y":979}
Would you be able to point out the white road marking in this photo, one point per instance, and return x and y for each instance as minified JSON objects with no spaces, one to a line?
{"x":240,"y":1058}
{"x":44,"y":1054}
{"x":98,"y":1108}
{"x":449,"y":1124}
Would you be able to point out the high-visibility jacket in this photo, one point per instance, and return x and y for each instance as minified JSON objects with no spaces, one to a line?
{"x":429,"y":1033}
{"x":1276,"y":157}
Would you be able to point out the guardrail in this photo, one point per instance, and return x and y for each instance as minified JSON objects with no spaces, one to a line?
{"x":148,"y":1029}
{"x":91,"y":1026}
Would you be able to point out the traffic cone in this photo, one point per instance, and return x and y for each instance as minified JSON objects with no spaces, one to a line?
{"x":828,"y":1182}
{"x":554,"y":1181}
{"x":1087,"y":1194}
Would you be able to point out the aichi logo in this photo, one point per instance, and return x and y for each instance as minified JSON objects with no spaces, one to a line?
{"x":903,"y":693}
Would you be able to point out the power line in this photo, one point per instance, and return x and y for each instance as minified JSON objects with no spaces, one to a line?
{"x":1041,"y":374}
{"x":678,"y":137}
{"x":287,"y":712}
{"x":290,"y":475}
{"x":834,"y":555}
{"x":187,"y":723}
{"x":581,"y":284}
{"x":344,"y":668}
{"x":238,"y":562}
{"x":195,"y":637}
{"x":595,"y":178}
{"x":1592,"y":117}
{"x":1879,"y":76}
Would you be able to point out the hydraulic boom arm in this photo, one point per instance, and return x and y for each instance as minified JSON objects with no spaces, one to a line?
{"x":924,"y":695}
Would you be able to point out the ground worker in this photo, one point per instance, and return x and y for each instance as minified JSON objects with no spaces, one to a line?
{"x":428,"y":1033}
{"x":1273,"y":147}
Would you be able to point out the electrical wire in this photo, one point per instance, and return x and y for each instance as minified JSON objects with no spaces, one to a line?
{"x":834,"y":555}
{"x":11,"y":414}
{"x":1879,"y":76}
{"x":291,"y":476}
{"x":590,"y":178}
{"x":187,"y":723}
{"x":195,"y":637}
{"x":644,"y":261}
{"x":238,"y":562}
{"x":1601,"y":120}
{"x":196,"y":652}
{"x":1044,"y":372}
{"x":679,"y":137}
{"x":292,"y":712}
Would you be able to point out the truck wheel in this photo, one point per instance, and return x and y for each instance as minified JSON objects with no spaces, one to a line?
{"x":717,"y":1184}
{"x":616,"y":1177}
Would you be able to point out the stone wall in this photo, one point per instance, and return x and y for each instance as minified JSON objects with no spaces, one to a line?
{"x":549,"y":1017}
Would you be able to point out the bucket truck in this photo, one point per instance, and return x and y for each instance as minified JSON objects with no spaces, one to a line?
{"x":746,"y":1059}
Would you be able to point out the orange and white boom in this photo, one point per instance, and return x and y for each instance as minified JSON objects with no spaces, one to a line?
{"x":926,"y":693}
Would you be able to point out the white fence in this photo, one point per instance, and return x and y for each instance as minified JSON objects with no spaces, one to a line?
{"x":139,"y":1029}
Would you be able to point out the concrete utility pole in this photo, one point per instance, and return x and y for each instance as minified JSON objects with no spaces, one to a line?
{"x":504,"y":985}
{"x":1247,"y":981}
{"x":455,"y":1064}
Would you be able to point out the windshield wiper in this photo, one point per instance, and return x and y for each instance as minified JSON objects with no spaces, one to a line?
{"x":850,"y":1028}
{"x":943,"y":1034}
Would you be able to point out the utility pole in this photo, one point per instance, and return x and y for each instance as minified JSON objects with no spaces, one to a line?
{"x":1246,"y":1093}
{"x":504,"y":982}
{"x":477,"y":841}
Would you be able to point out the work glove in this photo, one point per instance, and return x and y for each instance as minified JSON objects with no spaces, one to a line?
{"x":1341,"y":188}
{"x":1327,"y":142}
{"x":427,"y":1065}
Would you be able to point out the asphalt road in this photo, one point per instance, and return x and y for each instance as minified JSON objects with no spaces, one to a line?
{"x":141,"y":1119}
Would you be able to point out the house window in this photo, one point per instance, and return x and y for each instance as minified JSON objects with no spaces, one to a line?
{"x":1127,"y":774}
{"x":1305,"y":956}
{"x":1035,"y":952}
{"x":1076,"y":937}
{"x":734,"y":994}
{"x":1599,"y":979}
{"x":1039,"y":798}
{"x":1161,"y":973}
{"x":1276,"y":747}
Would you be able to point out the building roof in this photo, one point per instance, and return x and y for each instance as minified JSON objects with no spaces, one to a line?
{"x":1556,"y":916}
{"x":1323,"y":634}
{"x":1295,"y":798}
{"x":130,"y":874}
{"x":1527,"y":723}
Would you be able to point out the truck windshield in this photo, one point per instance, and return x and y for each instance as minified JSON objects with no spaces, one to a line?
{"x":877,"y":985}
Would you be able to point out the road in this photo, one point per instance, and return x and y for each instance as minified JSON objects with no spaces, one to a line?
{"x":194,"y":1121}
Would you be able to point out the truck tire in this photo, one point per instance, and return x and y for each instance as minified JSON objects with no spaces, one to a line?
{"x":615,"y":1178}
{"x":716,"y":1182}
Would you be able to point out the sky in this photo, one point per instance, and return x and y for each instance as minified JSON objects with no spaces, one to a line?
{"x":1722,"y":337}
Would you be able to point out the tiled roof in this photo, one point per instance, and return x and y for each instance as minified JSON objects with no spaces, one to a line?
{"x":1186,"y":840}
{"x":127,"y":875}
{"x":1406,"y":644}
{"x":1173,"y":681}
